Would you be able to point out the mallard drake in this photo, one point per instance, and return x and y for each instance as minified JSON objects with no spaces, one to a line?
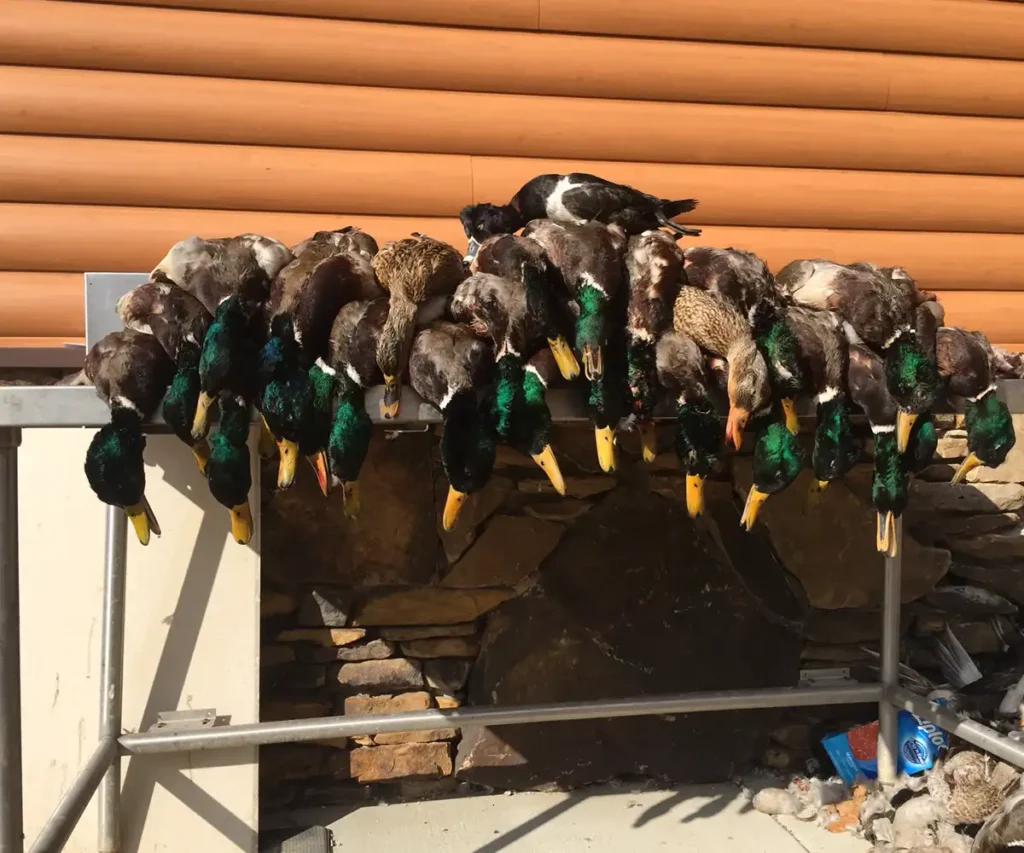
{"x":228,"y":470}
{"x":179,"y":322}
{"x":589,"y":259}
{"x":890,"y":481}
{"x":446,"y":364}
{"x":523,"y":259}
{"x":231,"y":277}
{"x":699,"y":436}
{"x":352,"y":362}
{"x":745,"y":280}
{"x":295,"y":391}
{"x":531,"y":429}
{"x":653,"y":267}
{"x":965,"y":365}
{"x":130,"y":372}
{"x":716,"y":325}
{"x":575,"y":199}
{"x":889,"y":314}
{"x":410,"y":270}
{"x":778,"y":459}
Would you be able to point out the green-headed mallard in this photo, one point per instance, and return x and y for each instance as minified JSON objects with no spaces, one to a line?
{"x":523,"y":259}
{"x":778,"y":459}
{"x":295,"y":391}
{"x":745,"y":280}
{"x":574,"y":199}
{"x":411,"y":270}
{"x":887,"y":313}
{"x":699,"y":436}
{"x":965,"y":365}
{"x":228,"y":470}
{"x":179,"y":322}
{"x":352,"y":362}
{"x":446,"y":364}
{"x":716,"y":325}
{"x":653,"y":267}
{"x":531,"y":428}
{"x":131,"y":372}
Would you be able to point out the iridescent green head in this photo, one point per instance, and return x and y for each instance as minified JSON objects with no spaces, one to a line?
{"x":532,"y":427}
{"x":349,"y":442}
{"x":778,"y":459}
{"x":227,"y":363}
{"x":836,"y":449}
{"x":180,"y":402}
{"x":699,"y":440}
{"x":990,"y":433}
{"x":228,"y":470}
{"x":508,"y":395}
{"x":912,"y":377}
{"x":778,"y":345}
{"x":467,"y":450}
{"x":592,"y":329}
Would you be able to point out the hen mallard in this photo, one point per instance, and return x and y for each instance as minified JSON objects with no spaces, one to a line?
{"x":965,"y":365}
{"x":716,"y":325}
{"x":575,"y":199}
{"x":295,"y":391}
{"x":446,"y":364}
{"x":653,"y":266}
{"x":523,"y":259}
{"x":130,"y":372}
{"x":888,"y":313}
{"x":410,"y":270}
{"x":350,"y":240}
{"x":179,"y":322}
{"x":699,"y":437}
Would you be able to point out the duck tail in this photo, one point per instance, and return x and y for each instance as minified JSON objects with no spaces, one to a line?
{"x":667,"y":210}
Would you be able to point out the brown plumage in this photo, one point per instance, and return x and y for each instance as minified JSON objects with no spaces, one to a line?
{"x":653,"y":266}
{"x":349,"y":240}
{"x":741,"y":277}
{"x":130,"y":370}
{"x":410,"y":270}
{"x":965,"y":361}
{"x":168,"y":313}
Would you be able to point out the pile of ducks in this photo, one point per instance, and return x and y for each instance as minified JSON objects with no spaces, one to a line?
{"x":593,"y":283}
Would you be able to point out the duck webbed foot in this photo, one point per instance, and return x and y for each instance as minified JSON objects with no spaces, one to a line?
{"x":143,"y":520}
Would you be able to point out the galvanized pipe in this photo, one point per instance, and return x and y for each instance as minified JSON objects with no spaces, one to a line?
{"x":111,"y":675}
{"x":888,"y":746}
{"x":296,"y":731}
{"x":974,"y":733}
{"x":62,"y":822}
{"x":11,"y":819}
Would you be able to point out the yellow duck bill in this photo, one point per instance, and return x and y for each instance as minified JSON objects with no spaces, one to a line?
{"x":289,"y":451}
{"x":452,"y":507}
{"x":241,"y":523}
{"x":143,"y":520}
{"x":549,"y":465}
{"x":755,"y":500}
{"x":605,"y":440}
{"x":885,"y":534}
{"x":904,"y":424}
{"x":201,"y":453}
{"x":789,"y":410}
{"x":201,"y":421}
{"x":351,"y":497}
{"x":694,"y":495}
{"x":969,"y":464}
{"x":568,"y":366}
{"x":648,"y":441}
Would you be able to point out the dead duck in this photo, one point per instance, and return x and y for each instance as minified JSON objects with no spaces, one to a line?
{"x":653,"y":268}
{"x":447,"y":363}
{"x":1003,"y":831}
{"x":523,"y":259}
{"x":779,"y":457}
{"x":179,"y":322}
{"x":531,"y":429}
{"x":350,"y":240}
{"x":890,"y":481}
{"x":411,"y":270}
{"x":352,"y":363}
{"x":888,"y":313}
{"x":130,"y":372}
{"x":745,"y":280}
{"x":575,"y":199}
{"x":295,"y":391}
{"x":716,"y":325}
{"x":965,"y":365}
{"x":699,"y":436}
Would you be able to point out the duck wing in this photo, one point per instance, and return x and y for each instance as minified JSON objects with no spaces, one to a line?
{"x":823,"y":348}
{"x":653,"y":265}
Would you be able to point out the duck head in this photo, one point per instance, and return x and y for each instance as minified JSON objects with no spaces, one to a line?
{"x":508,"y":393}
{"x":532,"y":433}
{"x":592,"y":329}
{"x":698,"y":443}
{"x":115,"y":470}
{"x":778,"y":459}
{"x":778,"y":345}
{"x":890,"y":483}
{"x":990,"y":434}
{"x":912,"y":377}
{"x":836,"y":449}
{"x":228,"y":470}
{"x":222,"y":365}
{"x":180,"y":402}
{"x":393,"y":346}
{"x":285,"y":396}
{"x":748,"y":388}
{"x":481,"y":221}
{"x":349,"y":443}
{"x":467,"y":451}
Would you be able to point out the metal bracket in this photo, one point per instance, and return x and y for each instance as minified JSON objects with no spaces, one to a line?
{"x":825,"y":677}
{"x":184,"y":721}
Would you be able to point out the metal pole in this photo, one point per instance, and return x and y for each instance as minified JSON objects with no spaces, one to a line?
{"x":111,"y":671}
{"x":11,"y":820}
{"x":296,"y":731}
{"x":65,"y":817}
{"x":888,"y":746}
{"x":975,"y":733}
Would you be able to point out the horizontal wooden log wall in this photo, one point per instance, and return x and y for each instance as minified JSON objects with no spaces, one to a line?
{"x":882,"y":130}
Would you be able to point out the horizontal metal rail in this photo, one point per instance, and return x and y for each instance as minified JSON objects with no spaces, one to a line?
{"x":325,"y":728}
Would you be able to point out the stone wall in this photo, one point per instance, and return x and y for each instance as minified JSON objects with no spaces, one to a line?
{"x":610,"y":591}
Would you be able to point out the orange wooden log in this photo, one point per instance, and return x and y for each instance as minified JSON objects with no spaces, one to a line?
{"x":1000,"y":315}
{"x":42,"y":304}
{"x":144,"y":106}
{"x":121,"y":38}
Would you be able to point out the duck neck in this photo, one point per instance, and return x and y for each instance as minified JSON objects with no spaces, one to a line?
{"x":536,"y":417}
{"x":467,"y":443}
{"x":911,"y":376}
{"x":778,"y":346}
{"x":890,"y":481}
{"x":508,"y":392}
{"x":778,"y":457}
{"x":642,"y":375}
{"x":395,"y":336}
{"x":698,"y":437}
{"x":590,"y":324}
{"x":350,"y":435}
{"x":835,"y":446}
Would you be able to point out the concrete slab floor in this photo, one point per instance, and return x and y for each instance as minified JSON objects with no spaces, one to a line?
{"x":698,"y":819}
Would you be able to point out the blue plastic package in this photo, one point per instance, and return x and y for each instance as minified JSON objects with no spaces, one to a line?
{"x":854,"y":753}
